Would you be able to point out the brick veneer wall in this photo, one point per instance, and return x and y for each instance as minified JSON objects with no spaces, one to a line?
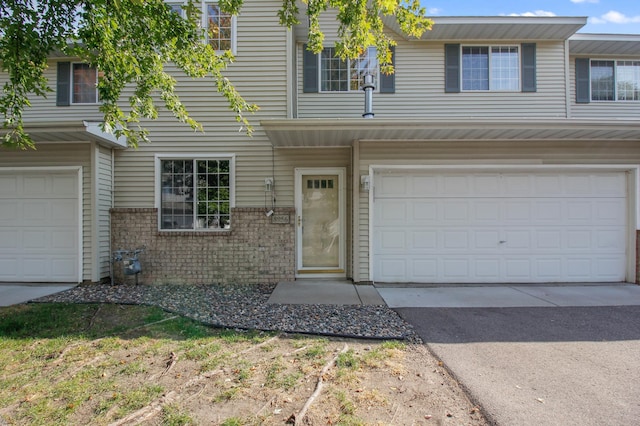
{"x":253,"y":251}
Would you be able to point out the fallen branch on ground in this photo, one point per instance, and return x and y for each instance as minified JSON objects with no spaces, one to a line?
{"x":300,"y":416}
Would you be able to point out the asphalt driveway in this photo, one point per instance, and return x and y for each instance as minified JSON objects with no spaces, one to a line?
{"x":541,"y":365}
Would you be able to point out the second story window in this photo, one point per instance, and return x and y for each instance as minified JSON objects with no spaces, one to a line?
{"x":219,"y":26}
{"x":615,"y":80}
{"x":84,"y":84}
{"x":337,"y":75}
{"x":490,"y":68}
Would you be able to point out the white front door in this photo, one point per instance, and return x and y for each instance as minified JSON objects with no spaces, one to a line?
{"x":320,"y":230}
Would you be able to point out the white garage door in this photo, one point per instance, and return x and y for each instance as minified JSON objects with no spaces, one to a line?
{"x":39,"y":226}
{"x":499,"y":227}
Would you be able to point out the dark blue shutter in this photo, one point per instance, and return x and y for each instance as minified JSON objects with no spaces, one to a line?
{"x":388,"y":81}
{"x":309,"y":71}
{"x":452,"y":68}
{"x":583,"y":81}
{"x":63,"y":87}
{"x":528,"y":59}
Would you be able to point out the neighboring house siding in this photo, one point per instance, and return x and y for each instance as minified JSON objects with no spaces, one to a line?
{"x":62,"y":155}
{"x":420,"y":91}
{"x":259,"y":74}
{"x":488,"y":153}
{"x":600,"y":110}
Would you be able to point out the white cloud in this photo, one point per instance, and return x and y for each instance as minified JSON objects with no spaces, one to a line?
{"x":585,"y":1}
{"x":434,"y":11}
{"x":613,"y":17}
{"x":534,"y":13}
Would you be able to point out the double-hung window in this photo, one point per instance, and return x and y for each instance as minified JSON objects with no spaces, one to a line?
{"x":338,"y":75}
{"x":77,"y":83}
{"x":84,"y":84}
{"x":196,"y":193}
{"x":219,"y":26}
{"x":615,"y":80}
{"x":490,"y":68}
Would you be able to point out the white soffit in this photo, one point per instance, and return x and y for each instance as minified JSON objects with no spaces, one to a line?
{"x":605,"y":44}
{"x":342,"y":132}
{"x":468,"y":28}
{"x":72,"y":131}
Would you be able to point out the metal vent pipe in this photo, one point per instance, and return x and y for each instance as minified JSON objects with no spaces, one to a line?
{"x":368,"y":88}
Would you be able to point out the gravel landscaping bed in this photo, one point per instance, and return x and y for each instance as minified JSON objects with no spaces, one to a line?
{"x":246,"y":307}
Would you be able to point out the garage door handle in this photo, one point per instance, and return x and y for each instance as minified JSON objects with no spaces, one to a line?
{"x":502,"y":242}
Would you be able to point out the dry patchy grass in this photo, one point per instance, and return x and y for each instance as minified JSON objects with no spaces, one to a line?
{"x":112,"y":364}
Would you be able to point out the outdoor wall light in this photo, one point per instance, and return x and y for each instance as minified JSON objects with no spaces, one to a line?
{"x":364,"y":183}
{"x":268,"y":185}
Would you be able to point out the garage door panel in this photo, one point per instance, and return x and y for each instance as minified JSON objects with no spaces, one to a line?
{"x":424,"y":240}
{"x":544,"y":232}
{"x":489,"y":269}
{"x":8,"y":240}
{"x":39,"y":226}
{"x":456,"y":269}
{"x":9,"y":268}
{"x":423,"y":269}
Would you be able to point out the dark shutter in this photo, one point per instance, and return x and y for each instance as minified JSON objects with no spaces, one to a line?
{"x":528,"y":59}
{"x":583,"y":81}
{"x":309,"y":71}
{"x":388,"y":81}
{"x":63,"y":88}
{"x":452,"y":68}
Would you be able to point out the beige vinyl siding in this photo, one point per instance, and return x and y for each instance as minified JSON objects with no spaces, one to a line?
{"x":601,"y":110}
{"x":53,"y":154}
{"x":420,"y":92}
{"x":287,"y":160}
{"x":499,"y":153}
{"x":104,"y":200}
{"x":259,"y":74}
{"x":45,"y":109}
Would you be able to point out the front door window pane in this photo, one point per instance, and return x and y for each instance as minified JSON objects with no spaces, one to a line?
{"x":320,"y":221}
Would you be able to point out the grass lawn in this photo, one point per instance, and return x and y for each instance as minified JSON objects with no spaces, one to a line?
{"x":108,"y":364}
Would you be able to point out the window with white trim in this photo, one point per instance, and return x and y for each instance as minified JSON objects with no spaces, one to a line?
{"x":613,"y":80}
{"x":490,"y":68}
{"x":338,"y":75}
{"x":219,"y":26}
{"x":196,"y":194}
{"x":84,"y":84}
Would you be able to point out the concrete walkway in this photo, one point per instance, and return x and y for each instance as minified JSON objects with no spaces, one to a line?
{"x":504,"y":296}
{"x":325,"y":292}
{"x":14,"y":293}
{"x":331,"y":292}
{"x":335,"y":292}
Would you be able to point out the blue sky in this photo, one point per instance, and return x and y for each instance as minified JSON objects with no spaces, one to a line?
{"x":605,"y":16}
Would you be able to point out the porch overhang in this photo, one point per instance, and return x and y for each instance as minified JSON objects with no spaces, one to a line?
{"x":487,"y":28}
{"x":78,"y":131}
{"x":605,"y":44}
{"x":316,"y":133}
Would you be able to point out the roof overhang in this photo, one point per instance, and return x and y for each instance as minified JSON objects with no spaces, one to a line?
{"x":316,"y":133}
{"x":488,"y":28}
{"x":78,"y":131}
{"x":605,"y":44}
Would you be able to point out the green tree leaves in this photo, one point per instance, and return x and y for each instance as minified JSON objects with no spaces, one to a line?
{"x":131,"y":42}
